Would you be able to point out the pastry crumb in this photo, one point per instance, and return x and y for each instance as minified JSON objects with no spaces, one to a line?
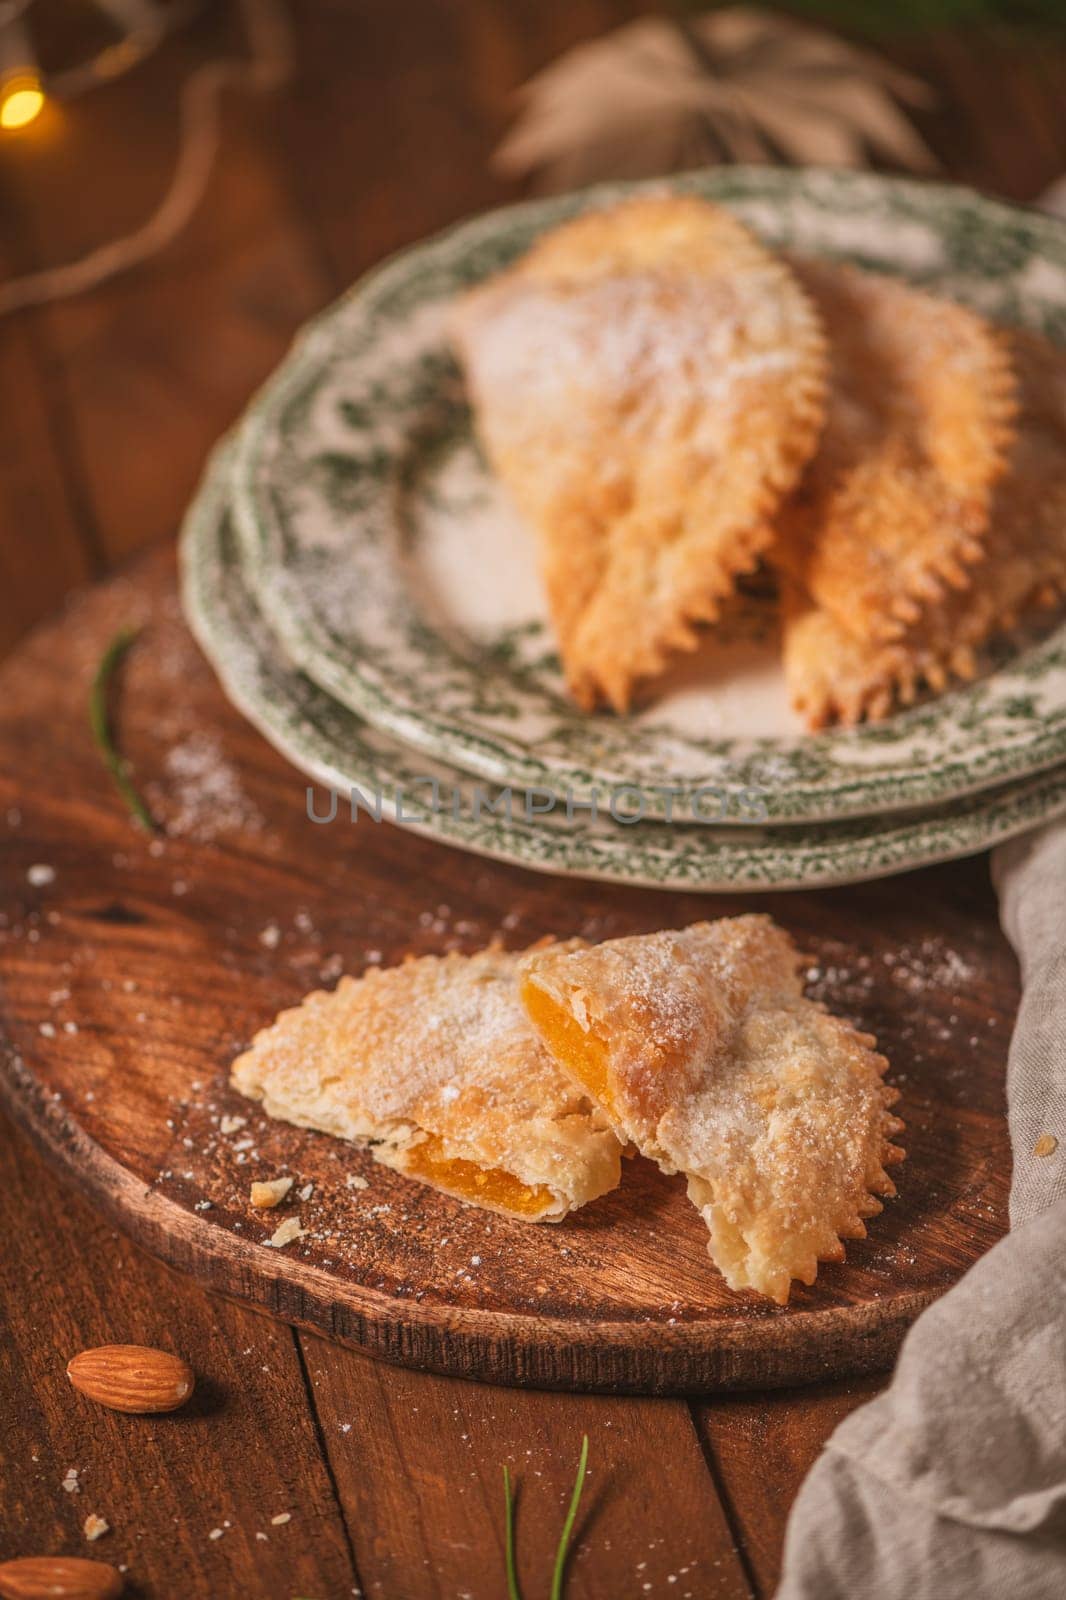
{"x":289,"y":1230}
{"x":281,"y":1518}
{"x":354,"y":1181}
{"x":95,"y":1527}
{"x":270,"y":1194}
{"x":70,"y":1482}
{"x":232,"y":1124}
{"x":1046,"y":1145}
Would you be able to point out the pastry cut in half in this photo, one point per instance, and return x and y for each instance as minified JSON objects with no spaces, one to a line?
{"x":648,"y":382}
{"x":835,"y":675}
{"x":892,"y":511}
{"x":434,"y":1064}
{"x":703,"y":1052}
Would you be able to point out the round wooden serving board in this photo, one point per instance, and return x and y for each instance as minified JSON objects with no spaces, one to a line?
{"x":134,"y":971}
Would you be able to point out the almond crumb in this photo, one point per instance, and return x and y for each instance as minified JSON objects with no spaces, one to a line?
{"x":268,"y":1195}
{"x":1046,"y":1145}
{"x":281,"y":1518}
{"x":354,"y":1181}
{"x":286,"y":1232}
{"x":95,"y":1527}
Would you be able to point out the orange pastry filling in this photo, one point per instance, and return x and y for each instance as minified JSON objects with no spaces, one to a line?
{"x":485,"y":1185}
{"x":583,"y":1054}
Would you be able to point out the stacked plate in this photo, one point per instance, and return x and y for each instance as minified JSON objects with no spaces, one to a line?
{"x":371,"y":602}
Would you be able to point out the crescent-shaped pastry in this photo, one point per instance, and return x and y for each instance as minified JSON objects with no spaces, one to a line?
{"x":702,"y":1051}
{"x":434,"y":1064}
{"x":648,"y":383}
{"x":892,"y":511}
{"x":834,"y":675}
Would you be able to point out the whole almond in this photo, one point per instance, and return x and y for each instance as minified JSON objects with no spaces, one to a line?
{"x":58,"y":1578}
{"x":132,"y":1377}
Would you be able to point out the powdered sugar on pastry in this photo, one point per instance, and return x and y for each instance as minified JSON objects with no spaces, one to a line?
{"x":703,"y":1052}
{"x":648,"y":383}
{"x":835,"y":675}
{"x":892,"y":511}
{"x":436,"y":1063}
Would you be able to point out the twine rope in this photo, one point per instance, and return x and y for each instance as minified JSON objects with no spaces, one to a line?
{"x":267,"y":67}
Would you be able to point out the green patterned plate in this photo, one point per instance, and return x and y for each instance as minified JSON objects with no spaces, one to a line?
{"x":343,"y":754}
{"x":385,"y":558}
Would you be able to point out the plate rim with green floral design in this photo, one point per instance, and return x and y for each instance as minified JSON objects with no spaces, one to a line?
{"x":384,"y":662}
{"x":333,"y":747}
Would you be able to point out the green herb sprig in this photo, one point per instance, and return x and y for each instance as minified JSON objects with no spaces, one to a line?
{"x":100,"y":722}
{"x":559,"y":1570}
{"x":568,"y":1525}
{"x":508,"y":1549}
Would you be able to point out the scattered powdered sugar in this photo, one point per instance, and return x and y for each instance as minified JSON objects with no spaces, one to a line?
{"x":204,"y":796}
{"x":932,"y":964}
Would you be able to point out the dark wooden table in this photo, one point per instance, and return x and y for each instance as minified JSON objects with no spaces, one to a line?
{"x":109,"y":406}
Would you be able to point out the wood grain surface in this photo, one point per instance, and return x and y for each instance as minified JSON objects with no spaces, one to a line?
{"x":110,"y":405}
{"x":171,"y":953}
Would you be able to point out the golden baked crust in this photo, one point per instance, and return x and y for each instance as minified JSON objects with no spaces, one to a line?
{"x":435,"y":1064}
{"x":892,"y":511}
{"x":703,"y":1052}
{"x":835,"y":675}
{"x":648,"y":382}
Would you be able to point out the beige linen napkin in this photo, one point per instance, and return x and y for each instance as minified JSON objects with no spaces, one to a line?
{"x":953,"y":1482}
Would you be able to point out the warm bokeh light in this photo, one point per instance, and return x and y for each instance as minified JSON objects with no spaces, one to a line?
{"x":21,"y":100}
